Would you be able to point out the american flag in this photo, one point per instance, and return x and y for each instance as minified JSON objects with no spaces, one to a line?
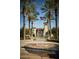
{"x":42,"y":18}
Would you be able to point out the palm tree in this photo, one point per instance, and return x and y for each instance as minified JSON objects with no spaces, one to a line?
{"x":31,"y":14}
{"x":29,"y":11}
{"x":34,"y":14}
{"x":48,"y":8}
{"x":56,"y":12}
{"x":34,"y":18}
{"x":23,"y":12}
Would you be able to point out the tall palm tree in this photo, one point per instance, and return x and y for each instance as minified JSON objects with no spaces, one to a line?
{"x":34,"y":14}
{"x":56,"y":14}
{"x":34,"y":18}
{"x":31,"y":14}
{"x":48,"y":8}
{"x":29,"y":11}
{"x":23,"y":9}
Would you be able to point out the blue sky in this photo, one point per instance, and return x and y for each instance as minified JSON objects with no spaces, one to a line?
{"x":38,"y":23}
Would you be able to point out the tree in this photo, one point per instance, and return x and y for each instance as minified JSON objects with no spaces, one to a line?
{"x":31,"y":13}
{"x":34,"y":18}
{"x":56,"y":14}
{"x":23,"y":11}
{"x":48,"y":8}
{"x":21,"y":34}
{"x":27,"y":10}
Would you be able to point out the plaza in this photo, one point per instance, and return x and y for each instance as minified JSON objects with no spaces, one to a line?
{"x":39,"y":29}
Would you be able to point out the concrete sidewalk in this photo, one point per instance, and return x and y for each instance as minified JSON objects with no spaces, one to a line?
{"x":26,"y":42}
{"x":26,"y":55}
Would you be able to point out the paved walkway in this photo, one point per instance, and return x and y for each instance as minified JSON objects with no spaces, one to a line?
{"x":26,"y":42}
{"x":40,"y":39}
{"x":28,"y":55}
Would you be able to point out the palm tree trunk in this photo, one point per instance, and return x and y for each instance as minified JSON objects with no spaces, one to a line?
{"x":32,"y":28}
{"x":23,"y":27}
{"x":29,"y":25}
{"x":50,"y":26}
{"x":56,"y":21}
{"x":24,"y":22}
{"x":32,"y":24}
{"x":49,"y":21}
{"x":50,"y":29}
